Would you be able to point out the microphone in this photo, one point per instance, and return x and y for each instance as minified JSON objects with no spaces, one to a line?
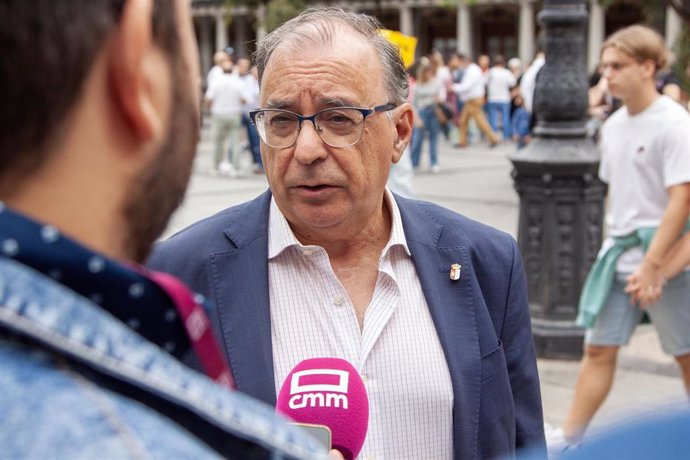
{"x":328,"y":392}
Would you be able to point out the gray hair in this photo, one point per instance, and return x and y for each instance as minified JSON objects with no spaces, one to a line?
{"x":320,"y":26}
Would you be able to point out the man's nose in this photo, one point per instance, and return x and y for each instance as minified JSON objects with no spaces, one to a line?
{"x":309,"y":147}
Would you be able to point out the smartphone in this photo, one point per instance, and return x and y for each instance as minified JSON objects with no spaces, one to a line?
{"x":319,"y":432}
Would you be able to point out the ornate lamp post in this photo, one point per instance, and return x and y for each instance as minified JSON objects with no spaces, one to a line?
{"x":561,"y":197}
{"x":683,"y":8}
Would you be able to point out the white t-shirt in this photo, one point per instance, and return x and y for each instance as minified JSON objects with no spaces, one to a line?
{"x":472,"y":84}
{"x":226,"y":93}
{"x":641,"y":157}
{"x":528,"y":82}
{"x":214,"y":73}
{"x":499,"y":82}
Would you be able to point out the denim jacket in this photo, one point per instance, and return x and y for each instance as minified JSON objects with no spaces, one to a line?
{"x":77,"y":383}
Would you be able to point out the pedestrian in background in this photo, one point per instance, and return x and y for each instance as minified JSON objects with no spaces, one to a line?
{"x":225,"y":98}
{"x":472,"y":90}
{"x":251,"y":91}
{"x":515,"y":67}
{"x":645,"y":160}
{"x":444,"y":108}
{"x":456,"y":73}
{"x":601,"y":103}
{"x":499,"y":82}
{"x":441,"y":73}
{"x":402,"y":173}
{"x":221,"y":61}
{"x":426,"y":122}
{"x":484,"y":63}
{"x":520,"y":124}
{"x":528,"y":84}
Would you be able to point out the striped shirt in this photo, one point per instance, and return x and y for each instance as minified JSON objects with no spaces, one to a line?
{"x":397,"y":352}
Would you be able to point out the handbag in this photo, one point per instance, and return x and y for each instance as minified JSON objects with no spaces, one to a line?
{"x":443,"y":112}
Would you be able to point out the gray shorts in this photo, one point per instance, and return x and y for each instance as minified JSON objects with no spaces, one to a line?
{"x":670,"y":316}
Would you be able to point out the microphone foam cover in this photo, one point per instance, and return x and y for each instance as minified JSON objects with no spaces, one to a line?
{"x":328,"y":391}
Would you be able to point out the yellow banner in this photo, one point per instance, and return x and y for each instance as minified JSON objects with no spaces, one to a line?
{"x":406,"y":43}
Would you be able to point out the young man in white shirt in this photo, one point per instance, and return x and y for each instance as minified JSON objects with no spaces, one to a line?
{"x":645,"y":159}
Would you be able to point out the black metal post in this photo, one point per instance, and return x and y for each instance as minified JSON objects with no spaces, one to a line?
{"x":561,"y":196}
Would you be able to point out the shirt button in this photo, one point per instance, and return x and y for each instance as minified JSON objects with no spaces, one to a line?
{"x":339,"y":300}
{"x":364,"y":378}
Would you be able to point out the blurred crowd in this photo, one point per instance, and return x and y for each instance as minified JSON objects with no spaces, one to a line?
{"x":468,"y":102}
{"x":490,"y":100}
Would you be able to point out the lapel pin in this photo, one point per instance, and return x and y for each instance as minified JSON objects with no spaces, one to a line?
{"x":455,"y":270}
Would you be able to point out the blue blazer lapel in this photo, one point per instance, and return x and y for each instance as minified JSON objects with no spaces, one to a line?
{"x":452,"y":308}
{"x":240,"y":279}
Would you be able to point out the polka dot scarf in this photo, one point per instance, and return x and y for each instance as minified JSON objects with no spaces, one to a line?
{"x":155,"y":305}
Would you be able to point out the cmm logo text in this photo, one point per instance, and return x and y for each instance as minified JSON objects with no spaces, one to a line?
{"x":319,"y":394}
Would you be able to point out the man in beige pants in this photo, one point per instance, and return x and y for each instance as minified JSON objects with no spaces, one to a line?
{"x":471,"y":91}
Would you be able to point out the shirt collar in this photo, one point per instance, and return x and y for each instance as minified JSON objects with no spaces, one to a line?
{"x":281,"y":236}
{"x":124,"y":291}
{"x":397,"y":230}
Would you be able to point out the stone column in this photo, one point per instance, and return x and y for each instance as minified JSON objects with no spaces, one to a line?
{"x":464,"y":28}
{"x":241,"y":35}
{"x":561,"y":196}
{"x":205,"y":50}
{"x":597,"y":29}
{"x":406,"y":25}
{"x":221,"y":31}
{"x":673,"y":25}
{"x":260,"y":22}
{"x":526,"y":32}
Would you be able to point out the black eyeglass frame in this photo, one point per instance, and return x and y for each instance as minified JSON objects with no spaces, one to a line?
{"x":301,"y":118}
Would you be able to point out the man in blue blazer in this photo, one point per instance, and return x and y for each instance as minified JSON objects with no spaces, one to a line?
{"x":429,"y":306}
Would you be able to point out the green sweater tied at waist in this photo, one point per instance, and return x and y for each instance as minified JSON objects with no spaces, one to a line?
{"x":600,"y":277}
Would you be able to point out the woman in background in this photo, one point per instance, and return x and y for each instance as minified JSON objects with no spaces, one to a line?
{"x":426,"y":96}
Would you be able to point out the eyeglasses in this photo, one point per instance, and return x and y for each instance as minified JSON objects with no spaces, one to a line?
{"x":337,"y":126}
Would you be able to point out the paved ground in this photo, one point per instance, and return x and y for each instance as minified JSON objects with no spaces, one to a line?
{"x":476,"y":182}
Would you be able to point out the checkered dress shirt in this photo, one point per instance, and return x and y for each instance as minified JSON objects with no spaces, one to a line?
{"x":397,"y":352}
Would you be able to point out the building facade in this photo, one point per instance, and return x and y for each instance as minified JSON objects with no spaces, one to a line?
{"x":507,"y":27}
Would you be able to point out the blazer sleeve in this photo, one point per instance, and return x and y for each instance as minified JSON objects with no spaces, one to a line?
{"x":521,"y":361}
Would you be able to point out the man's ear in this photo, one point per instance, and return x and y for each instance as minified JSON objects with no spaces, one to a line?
{"x":650,"y":68}
{"x":402,"y":118}
{"x":131,"y":63}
